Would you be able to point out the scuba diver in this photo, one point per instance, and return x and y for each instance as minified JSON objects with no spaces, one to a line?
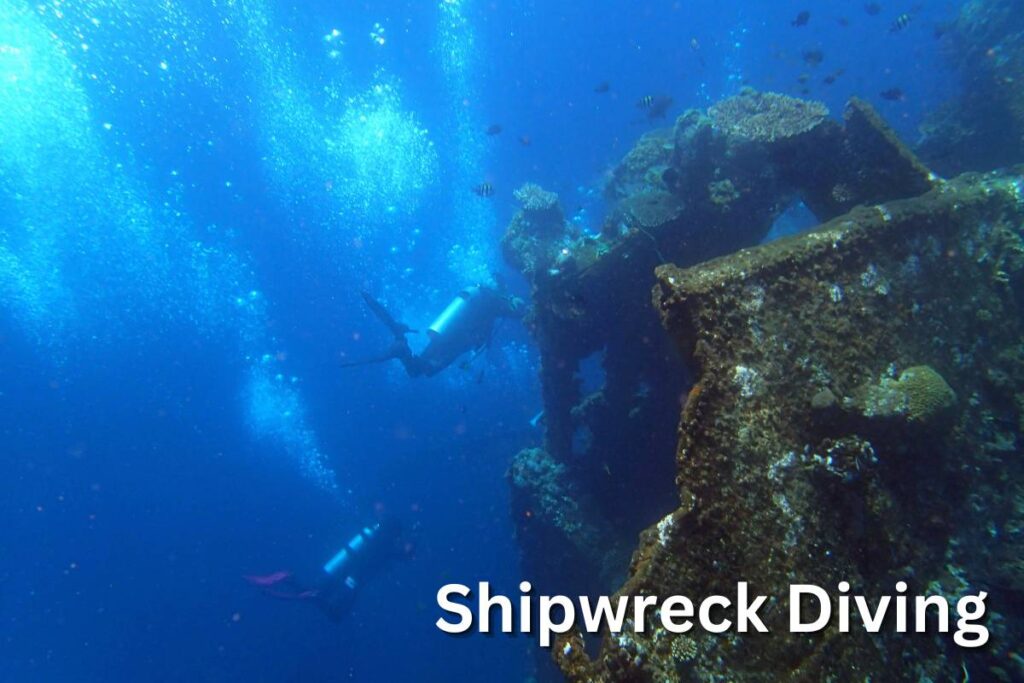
{"x":467,"y":324}
{"x":334,"y":592}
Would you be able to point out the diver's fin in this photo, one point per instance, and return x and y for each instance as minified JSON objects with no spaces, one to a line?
{"x":399,"y":349}
{"x":397,"y":328}
{"x":268,"y":579}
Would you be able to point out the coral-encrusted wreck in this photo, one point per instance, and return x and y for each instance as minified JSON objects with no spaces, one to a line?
{"x":850,"y":398}
{"x":855,"y":416}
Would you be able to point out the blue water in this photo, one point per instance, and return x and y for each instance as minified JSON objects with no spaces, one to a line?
{"x":192,"y":196}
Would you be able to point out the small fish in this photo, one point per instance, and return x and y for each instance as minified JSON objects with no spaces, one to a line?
{"x":801,"y":19}
{"x":873,"y":9}
{"x":813,"y":57}
{"x":484,"y":190}
{"x":525,"y":140}
{"x":602,"y":87}
{"x":832,"y":77}
{"x":803,"y":78}
{"x":494,"y":129}
{"x":656,"y":106}
{"x":893,"y":95}
{"x":902,"y":21}
{"x":843,"y":21}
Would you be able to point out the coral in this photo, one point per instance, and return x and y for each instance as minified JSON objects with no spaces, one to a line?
{"x":767,"y":117}
{"x":824,"y":400}
{"x":920,"y":394}
{"x":653,"y":151}
{"x":535,"y":198}
{"x":1009,"y":561}
{"x":551,"y":513}
{"x":723,"y":192}
{"x":538,"y":232}
{"x":535,"y":469}
{"x":684,"y":649}
{"x":650,"y":210}
{"x":928,"y":394}
{"x":884,"y":399}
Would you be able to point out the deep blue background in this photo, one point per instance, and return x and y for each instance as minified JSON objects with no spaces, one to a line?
{"x":133,"y":492}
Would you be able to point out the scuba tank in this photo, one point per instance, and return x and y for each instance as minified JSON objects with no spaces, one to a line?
{"x":344,"y":572}
{"x":451,"y":316}
{"x":347,"y":554}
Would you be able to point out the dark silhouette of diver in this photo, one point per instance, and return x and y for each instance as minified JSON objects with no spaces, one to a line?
{"x":465,"y":325}
{"x":335,"y":591}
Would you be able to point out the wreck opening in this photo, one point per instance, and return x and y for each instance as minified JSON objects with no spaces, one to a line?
{"x":793,"y":220}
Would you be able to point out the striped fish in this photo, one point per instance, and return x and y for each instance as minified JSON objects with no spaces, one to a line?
{"x":902,"y":21}
{"x":484,"y":190}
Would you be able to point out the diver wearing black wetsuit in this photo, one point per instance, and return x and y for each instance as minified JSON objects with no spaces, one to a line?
{"x":465,"y":325}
